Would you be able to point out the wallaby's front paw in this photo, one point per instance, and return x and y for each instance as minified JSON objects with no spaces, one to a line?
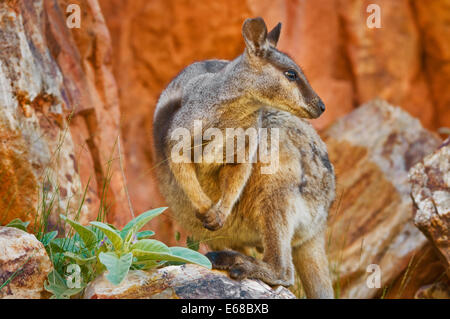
{"x":214,"y":218}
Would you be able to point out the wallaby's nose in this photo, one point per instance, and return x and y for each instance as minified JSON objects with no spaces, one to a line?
{"x":321,"y":106}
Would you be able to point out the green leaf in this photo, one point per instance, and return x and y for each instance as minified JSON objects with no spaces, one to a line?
{"x":57,"y":286}
{"x":100,"y":235}
{"x":112,"y":234}
{"x":177,"y":254}
{"x":136,"y":224}
{"x":151,"y":255}
{"x":48,"y":237}
{"x":144,"y":234}
{"x":66,"y":244}
{"x":146,"y":264}
{"x":17,"y":223}
{"x":79,"y":259}
{"x":57,"y":259}
{"x":151,"y":245}
{"x":87,"y":236}
{"x":187,"y":255}
{"x":112,"y":226}
{"x":117,"y":267}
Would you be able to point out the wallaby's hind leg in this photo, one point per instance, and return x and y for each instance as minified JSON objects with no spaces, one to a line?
{"x":276,"y":267}
{"x":311,"y":264}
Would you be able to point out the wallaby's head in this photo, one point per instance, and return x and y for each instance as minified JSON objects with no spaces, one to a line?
{"x":275,"y":79}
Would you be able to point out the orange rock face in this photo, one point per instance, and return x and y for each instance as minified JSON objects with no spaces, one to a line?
{"x":59,"y":114}
{"x":85,"y":58}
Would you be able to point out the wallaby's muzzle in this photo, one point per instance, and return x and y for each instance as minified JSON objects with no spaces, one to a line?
{"x":315,"y":107}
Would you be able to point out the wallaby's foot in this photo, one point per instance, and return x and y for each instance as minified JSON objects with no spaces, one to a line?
{"x":214,"y":218}
{"x":224,"y":259}
{"x":240,"y":266}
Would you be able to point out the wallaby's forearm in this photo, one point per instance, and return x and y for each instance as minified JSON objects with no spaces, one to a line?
{"x":233,"y":178}
{"x":186,"y":177}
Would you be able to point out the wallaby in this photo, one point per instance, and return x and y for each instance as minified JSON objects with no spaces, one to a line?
{"x":234,"y":206}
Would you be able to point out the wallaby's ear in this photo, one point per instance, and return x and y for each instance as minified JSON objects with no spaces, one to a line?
{"x":255,"y":34}
{"x":274,"y":35}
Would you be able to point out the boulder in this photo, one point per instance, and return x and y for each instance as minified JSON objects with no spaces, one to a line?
{"x":430,"y":180}
{"x":424,"y":269}
{"x":440,"y":290}
{"x":24,"y":264}
{"x":427,"y":274}
{"x":183,"y":282}
{"x":370,"y":222}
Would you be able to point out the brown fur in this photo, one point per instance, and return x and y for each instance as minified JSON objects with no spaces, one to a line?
{"x":234,"y":206}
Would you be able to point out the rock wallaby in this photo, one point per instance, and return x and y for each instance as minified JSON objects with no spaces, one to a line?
{"x":233,"y":206}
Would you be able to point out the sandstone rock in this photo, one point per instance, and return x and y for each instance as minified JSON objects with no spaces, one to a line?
{"x":36,"y":148}
{"x":430,"y":191}
{"x":23,"y":261}
{"x":183,"y":282}
{"x":59,"y":114}
{"x":85,"y":58}
{"x":387,"y":62}
{"x":424,"y":269}
{"x":440,"y":290}
{"x":432,"y":20}
{"x":370,"y":222}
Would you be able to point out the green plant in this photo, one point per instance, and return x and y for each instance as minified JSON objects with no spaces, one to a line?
{"x":101,"y":247}
{"x":19,"y":224}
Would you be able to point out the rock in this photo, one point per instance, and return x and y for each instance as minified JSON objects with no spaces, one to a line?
{"x":24,"y":259}
{"x":424,"y":268}
{"x":430,"y":179}
{"x":370,"y":222}
{"x":35,"y":147}
{"x":85,"y":58}
{"x":59,"y":114}
{"x":387,"y":62}
{"x":440,"y":290}
{"x":183,"y":282}
{"x":432,"y":20}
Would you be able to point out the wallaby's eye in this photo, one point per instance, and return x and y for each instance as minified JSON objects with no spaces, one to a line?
{"x":291,"y":75}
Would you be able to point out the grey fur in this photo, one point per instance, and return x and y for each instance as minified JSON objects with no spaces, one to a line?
{"x":282,"y":214}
